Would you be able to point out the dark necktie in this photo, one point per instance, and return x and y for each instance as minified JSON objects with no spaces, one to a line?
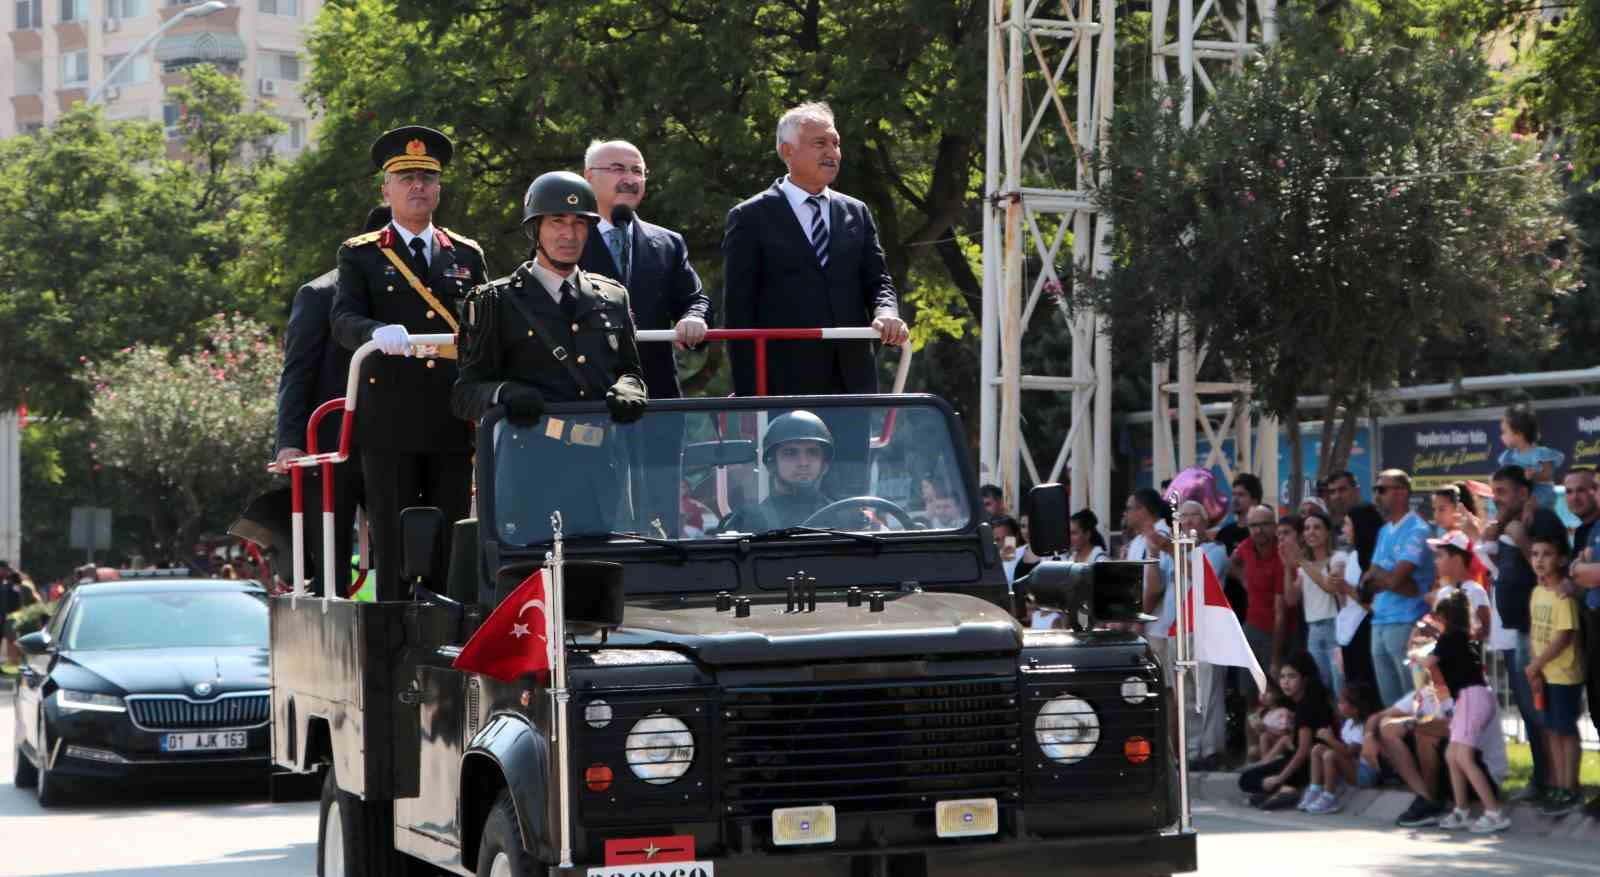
{"x":819,"y":230}
{"x":569,"y":301}
{"x":419,"y":256}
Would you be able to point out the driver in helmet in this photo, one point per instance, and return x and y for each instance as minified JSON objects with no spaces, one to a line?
{"x":797,"y":451}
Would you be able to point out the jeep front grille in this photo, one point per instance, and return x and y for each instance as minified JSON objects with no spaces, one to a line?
{"x":879,"y":746}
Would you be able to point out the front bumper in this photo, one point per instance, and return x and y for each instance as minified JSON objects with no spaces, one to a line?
{"x":126,"y":753}
{"x":1159,"y":853}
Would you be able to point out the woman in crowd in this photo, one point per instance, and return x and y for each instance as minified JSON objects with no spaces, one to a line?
{"x":1309,"y":582}
{"x":1361,"y":526}
{"x":1083,"y":534}
{"x":1454,"y":508}
{"x":1282,"y":781}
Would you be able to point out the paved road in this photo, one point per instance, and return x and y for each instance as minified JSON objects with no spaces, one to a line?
{"x":236,"y":832}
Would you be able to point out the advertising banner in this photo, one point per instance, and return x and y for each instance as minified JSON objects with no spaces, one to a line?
{"x":1445,"y":448}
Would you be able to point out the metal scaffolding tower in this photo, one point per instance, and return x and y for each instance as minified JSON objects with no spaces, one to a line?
{"x":1194,"y":40}
{"x":1050,"y":85}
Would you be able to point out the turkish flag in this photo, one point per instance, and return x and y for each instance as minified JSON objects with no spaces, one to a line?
{"x":1218,"y":638}
{"x":515,"y":639}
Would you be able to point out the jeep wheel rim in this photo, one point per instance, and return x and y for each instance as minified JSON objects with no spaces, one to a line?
{"x":333,"y":844}
{"x":501,"y":866}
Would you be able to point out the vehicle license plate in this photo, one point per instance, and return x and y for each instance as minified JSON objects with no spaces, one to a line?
{"x":204,"y":741}
{"x":665,"y":869}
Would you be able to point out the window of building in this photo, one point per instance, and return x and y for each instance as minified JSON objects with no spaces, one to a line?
{"x":279,"y":7}
{"x":74,"y":10}
{"x":75,"y":67}
{"x":30,"y":127}
{"x":127,"y":8}
{"x":30,"y":75}
{"x":135,"y":72}
{"x":30,"y":14}
{"x":170,"y":117}
{"x":280,"y":65}
{"x":293,"y":139}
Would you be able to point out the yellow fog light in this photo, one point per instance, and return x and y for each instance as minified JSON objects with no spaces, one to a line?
{"x":973,"y":817}
{"x":803,"y":825}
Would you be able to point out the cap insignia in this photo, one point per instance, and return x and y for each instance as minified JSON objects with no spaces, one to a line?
{"x":416,"y":147}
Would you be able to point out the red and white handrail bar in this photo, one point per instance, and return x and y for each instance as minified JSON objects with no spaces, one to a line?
{"x":327,"y":459}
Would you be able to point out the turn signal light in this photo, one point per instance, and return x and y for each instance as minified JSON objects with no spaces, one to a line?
{"x":1136,"y":750}
{"x":598,"y":777}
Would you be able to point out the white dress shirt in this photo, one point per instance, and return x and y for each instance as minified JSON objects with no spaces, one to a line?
{"x":407,"y":237}
{"x":802,"y":211}
{"x":551,"y":281}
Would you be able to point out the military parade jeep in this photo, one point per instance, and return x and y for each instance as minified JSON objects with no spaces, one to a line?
{"x":849,"y":693}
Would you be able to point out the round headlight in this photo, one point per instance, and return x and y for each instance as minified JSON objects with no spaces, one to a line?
{"x":1135,"y":690}
{"x":660,"y":749}
{"x":1067,"y":729}
{"x":597,"y":713}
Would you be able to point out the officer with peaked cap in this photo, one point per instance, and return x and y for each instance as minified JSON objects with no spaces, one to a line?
{"x":547,"y":333}
{"x":408,"y":278}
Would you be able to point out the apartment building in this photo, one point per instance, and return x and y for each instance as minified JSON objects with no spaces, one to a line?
{"x":61,"y":50}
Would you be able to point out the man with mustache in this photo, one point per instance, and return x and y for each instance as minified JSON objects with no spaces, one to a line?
{"x":665,"y":293}
{"x":803,"y":255}
{"x":407,"y":278}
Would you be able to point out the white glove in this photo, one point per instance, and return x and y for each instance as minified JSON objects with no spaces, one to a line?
{"x":392,"y":340}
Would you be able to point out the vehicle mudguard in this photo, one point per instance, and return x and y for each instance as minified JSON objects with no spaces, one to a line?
{"x":508,"y":752}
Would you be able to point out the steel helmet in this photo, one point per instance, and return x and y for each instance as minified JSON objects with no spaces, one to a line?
{"x":796,"y":426}
{"x":559,"y":192}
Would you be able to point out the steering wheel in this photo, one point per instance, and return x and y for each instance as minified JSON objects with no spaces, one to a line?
{"x":894,"y":510}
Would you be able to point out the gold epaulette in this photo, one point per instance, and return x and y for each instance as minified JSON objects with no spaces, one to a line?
{"x":363,"y":239}
{"x":458,"y":237}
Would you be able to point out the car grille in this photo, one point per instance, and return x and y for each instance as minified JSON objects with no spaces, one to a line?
{"x":870,"y":747}
{"x":176,"y":713}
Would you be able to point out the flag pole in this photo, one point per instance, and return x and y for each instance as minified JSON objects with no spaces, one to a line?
{"x":1183,"y":548}
{"x":555,"y":642}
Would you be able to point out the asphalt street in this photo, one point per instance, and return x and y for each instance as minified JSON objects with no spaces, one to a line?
{"x":237,"y":832}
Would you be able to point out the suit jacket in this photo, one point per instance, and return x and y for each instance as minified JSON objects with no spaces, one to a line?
{"x":498,"y":346}
{"x":314,"y":366}
{"x":404,"y":403}
{"x":771,"y":279}
{"x":663,"y":289}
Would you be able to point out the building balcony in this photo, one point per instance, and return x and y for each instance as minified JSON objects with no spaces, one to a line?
{"x":66,"y":97}
{"x":71,"y":35}
{"x":28,"y":107}
{"x":27,"y":42}
{"x":224,"y":19}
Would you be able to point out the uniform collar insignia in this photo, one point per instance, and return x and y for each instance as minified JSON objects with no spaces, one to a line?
{"x":443,"y":239}
{"x":386,"y":237}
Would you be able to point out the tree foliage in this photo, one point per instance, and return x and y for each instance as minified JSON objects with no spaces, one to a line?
{"x":189,"y":434}
{"x":109,"y":240}
{"x":1347,"y":206}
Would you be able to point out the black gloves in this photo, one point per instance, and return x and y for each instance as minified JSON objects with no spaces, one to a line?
{"x":524,"y":405}
{"x":625,"y":400}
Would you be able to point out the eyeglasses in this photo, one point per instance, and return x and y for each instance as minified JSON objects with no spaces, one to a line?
{"x":624,"y":170}
{"x":1385,"y":488}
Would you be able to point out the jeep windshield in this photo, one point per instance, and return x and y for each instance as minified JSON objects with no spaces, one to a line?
{"x":697,"y":470}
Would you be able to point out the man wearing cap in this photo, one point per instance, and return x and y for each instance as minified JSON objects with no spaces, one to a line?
{"x":407,"y":278}
{"x":314,"y":370}
{"x":550,"y":332}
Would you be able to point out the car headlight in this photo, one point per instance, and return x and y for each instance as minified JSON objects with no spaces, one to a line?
{"x":660,"y":749}
{"x":70,"y":700}
{"x":1067,"y":729}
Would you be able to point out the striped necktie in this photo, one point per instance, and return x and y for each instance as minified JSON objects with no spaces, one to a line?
{"x":819,"y":230}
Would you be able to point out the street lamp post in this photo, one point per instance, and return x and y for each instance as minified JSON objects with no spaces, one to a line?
{"x":192,"y":12}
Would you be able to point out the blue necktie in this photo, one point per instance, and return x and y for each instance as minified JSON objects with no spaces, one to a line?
{"x":617,"y":243}
{"x":819,"y":230}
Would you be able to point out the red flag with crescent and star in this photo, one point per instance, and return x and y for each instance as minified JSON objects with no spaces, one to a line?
{"x":514,"y":640}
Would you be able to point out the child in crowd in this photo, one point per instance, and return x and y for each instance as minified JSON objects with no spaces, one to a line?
{"x":1556,"y":672}
{"x":1349,"y":757}
{"x":1458,"y":662}
{"x":1268,"y":725}
{"x":1454,"y":562}
{"x":1519,"y":432}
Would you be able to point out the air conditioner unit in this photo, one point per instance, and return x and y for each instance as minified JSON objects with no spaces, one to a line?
{"x":269,"y":87}
{"x":110,"y":94}
{"x":110,"y":25}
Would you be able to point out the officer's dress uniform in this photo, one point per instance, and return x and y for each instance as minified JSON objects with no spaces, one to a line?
{"x":501,"y":348}
{"x":414,"y":451}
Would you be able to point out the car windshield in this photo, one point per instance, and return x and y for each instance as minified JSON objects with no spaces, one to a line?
{"x":716,"y":472}
{"x":171,"y":619}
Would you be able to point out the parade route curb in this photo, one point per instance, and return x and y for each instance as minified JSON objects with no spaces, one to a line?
{"x":1385,"y":806}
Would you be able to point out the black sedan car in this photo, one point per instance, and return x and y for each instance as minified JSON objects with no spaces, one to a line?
{"x":146,"y":681}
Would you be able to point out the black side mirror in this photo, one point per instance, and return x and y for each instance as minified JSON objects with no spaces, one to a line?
{"x":420,"y":528}
{"x":1047,"y":519}
{"x":36,"y":643}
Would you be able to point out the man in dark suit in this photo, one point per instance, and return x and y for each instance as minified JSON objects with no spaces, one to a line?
{"x":408,"y":278}
{"x":314,"y":370}
{"x":665,"y":292}
{"x":802,"y":255}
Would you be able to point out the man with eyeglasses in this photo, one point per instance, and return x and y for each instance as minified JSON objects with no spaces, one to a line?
{"x":1401,"y":574}
{"x":665,"y":292}
{"x":408,"y":278}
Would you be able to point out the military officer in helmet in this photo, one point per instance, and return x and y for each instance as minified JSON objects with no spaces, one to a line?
{"x":547,"y":333}
{"x":797,"y":450}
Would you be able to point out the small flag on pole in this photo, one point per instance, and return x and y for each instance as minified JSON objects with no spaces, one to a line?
{"x":515,"y":639}
{"x":1218,"y":638}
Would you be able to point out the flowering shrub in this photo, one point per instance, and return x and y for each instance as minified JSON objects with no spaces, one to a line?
{"x":192,"y":432}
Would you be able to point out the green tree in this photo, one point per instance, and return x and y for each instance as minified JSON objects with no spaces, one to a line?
{"x":188,"y":436}
{"x":110,"y":242}
{"x":1347,"y":205}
